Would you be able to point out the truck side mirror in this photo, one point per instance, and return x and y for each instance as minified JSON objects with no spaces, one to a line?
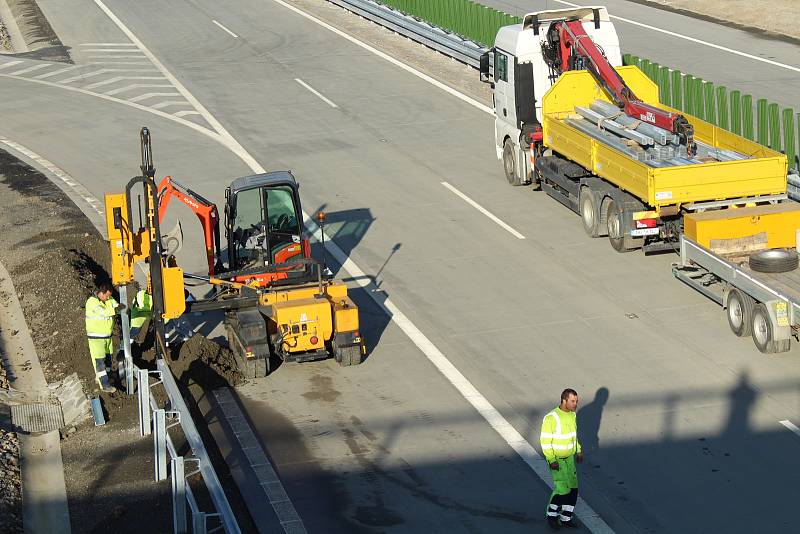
{"x":484,"y":67}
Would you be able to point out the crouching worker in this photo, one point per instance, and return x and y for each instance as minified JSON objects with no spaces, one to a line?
{"x":100,"y":311}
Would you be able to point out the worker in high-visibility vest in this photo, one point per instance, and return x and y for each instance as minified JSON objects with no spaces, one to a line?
{"x":100,"y":311}
{"x":561,"y":450}
{"x":141,"y":309}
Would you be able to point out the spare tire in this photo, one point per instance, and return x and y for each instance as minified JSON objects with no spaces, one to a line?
{"x":776,"y":260}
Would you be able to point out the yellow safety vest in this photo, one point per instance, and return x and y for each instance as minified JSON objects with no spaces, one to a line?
{"x":559,"y":437}
{"x":100,"y":317}
{"x":142,"y":308}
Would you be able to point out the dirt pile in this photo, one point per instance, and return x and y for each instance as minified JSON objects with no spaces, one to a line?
{"x":5,"y":38}
{"x":10,"y":485}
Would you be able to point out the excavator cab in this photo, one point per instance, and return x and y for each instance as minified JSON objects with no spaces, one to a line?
{"x":263,"y":224}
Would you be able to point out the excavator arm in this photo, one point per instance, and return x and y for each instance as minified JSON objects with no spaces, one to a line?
{"x":570,"y":48}
{"x":206,"y":211}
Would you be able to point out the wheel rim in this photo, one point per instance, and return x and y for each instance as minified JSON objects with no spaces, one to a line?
{"x":760,"y":329}
{"x":588,"y":213}
{"x":613,"y":225}
{"x":735,"y":313}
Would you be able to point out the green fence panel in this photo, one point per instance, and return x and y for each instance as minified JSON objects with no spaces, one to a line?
{"x":664,"y":89}
{"x":710,"y":102}
{"x":626,"y":59}
{"x":774,"y":117}
{"x":644,"y":66}
{"x":762,"y":121}
{"x":677,"y":93}
{"x":747,"y":117}
{"x":697,"y":99}
{"x":688,"y":98}
{"x":722,"y":107}
{"x":790,"y":146}
{"x":655,"y":68}
{"x":736,"y":112}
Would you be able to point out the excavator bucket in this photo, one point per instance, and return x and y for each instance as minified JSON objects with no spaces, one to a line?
{"x":172,"y":241}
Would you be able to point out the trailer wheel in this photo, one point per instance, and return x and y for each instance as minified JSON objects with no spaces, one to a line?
{"x":509,"y":165}
{"x":615,"y":227}
{"x":589,"y":212}
{"x":739,"y":307}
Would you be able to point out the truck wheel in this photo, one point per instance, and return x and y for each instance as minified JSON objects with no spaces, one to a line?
{"x":509,"y":165}
{"x":739,"y":307}
{"x":590,"y":215}
{"x":762,"y":329}
{"x":774,"y":261}
{"x":615,"y":227}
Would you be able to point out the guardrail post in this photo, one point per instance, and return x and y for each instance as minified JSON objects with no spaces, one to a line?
{"x":722,"y":107}
{"x":763,"y":121}
{"x":199,"y":523}
{"x":774,"y":127}
{"x":143,"y":384}
{"x":736,"y":112}
{"x":747,"y":117}
{"x":788,"y":136}
{"x":697,"y":99}
{"x":711,"y":108}
{"x":677,"y":93}
{"x":160,"y":444}
{"x":178,"y":496}
{"x":688,"y":100}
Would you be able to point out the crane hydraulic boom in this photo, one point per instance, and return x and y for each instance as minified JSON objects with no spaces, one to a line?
{"x":570,"y":48}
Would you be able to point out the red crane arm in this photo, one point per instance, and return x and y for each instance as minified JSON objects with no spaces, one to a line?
{"x":206,"y":211}
{"x":575,"y":41}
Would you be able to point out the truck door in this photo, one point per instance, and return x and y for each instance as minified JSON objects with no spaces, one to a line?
{"x":504,"y":92}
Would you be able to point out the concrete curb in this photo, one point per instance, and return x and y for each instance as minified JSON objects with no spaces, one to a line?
{"x":18,"y":43}
{"x":44,"y":493}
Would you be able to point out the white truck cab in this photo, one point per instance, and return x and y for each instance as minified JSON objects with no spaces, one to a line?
{"x":520,"y":76}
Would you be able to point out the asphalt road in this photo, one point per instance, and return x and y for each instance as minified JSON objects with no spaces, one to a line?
{"x":680,"y":419}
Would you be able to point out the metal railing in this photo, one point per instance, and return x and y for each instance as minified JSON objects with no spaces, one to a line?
{"x":446,"y":42}
{"x":157,"y":420}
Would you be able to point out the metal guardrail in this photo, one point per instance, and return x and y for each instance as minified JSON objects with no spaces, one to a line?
{"x":158,"y":420}
{"x":450,"y":44}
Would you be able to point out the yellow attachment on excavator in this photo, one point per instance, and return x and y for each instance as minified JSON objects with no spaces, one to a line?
{"x":771,"y":226}
{"x":303,"y":324}
{"x":345,"y":315}
{"x":173,"y":292}
{"x":126,"y":248}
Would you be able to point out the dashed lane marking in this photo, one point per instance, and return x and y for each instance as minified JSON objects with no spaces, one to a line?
{"x":225,"y":29}
{"x":320,"y":95}
{"x":483,"y":210}
{"x":791,"y":426}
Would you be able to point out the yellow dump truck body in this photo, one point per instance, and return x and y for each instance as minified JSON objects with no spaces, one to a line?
{"x":763,"y":174}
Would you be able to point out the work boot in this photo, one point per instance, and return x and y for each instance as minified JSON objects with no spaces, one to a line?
{"x":572,"y":523}
{"x":109,"y":389}
{"x":553,"y":523}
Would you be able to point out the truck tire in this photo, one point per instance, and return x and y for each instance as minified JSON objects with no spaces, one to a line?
{"x":763,"y":336}
{"x":510,"y":165}
{"x":779,"y":260}
{"x":739,"y":309}
{"x":590,"y":214}
{"x":616,"y":227}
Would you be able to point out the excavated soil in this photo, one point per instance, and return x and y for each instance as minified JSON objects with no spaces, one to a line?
{"x":10,"y":491}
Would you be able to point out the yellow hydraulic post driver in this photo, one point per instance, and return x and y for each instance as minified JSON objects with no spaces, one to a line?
{"x":131,"y":245}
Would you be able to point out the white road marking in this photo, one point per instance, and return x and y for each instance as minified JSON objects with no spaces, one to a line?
{"x":461,"y":96}
{"x":698,"y":41}
{"x":119,"y":63}
{"x":9,"y":64}
{"x":187,"y":112}
{"x":225,"y":29}
{"x":320,"y":95}
{"x":483,"y":210}
{"x":110,"y":56}
{"x":116,"y":79}
{"x":791,"y":426}
{"x":165,"y":104}
{"x":56,"y":72}
{"x":107,"y":44}
{"x":117,"y":50}
{"x":224,"y":136}
{"x":100,"y":71}
{"x":138,"y":86}
{"x":151,"y":95}
{"x":30,"y":69}
{"x":61,"y":174}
